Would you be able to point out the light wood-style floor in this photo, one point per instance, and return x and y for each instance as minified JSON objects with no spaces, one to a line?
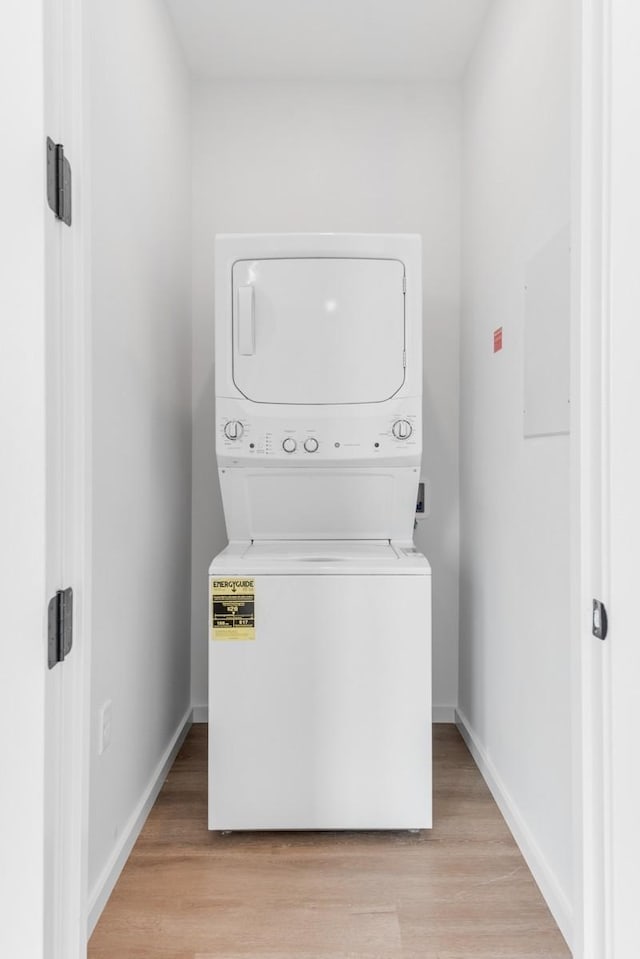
{"x":460,"y":891}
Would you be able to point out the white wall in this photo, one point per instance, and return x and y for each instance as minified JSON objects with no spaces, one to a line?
{"x":22,"y":481}
{"x":140,"y":111}
{"x":515,"y":682}
{"x":335,"y":157}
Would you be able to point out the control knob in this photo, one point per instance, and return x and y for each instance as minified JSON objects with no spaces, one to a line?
{"x":402,"y":429}
{"x":311,"y":444}
{"x":289,"y":444}
{"x":233,"y":430}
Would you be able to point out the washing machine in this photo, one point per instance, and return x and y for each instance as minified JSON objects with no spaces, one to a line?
{"x":320,"y":606}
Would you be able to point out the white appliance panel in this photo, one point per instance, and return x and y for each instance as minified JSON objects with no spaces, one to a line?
{"x":323,"y":721}
{"x":303,"y":504}
{"x":366,"y":435}
{"x":376,"y":552}
{"x":373,"y":557}
{"x":318,"y":330}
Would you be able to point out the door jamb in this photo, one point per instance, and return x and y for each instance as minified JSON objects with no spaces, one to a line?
{"x":66,"y":46}
{"x":589,"y":561}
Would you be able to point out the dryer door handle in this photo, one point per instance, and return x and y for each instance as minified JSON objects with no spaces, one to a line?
{"x":246,"y":321}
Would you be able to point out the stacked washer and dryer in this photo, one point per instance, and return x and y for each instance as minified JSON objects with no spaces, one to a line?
{"x":320,"y":606}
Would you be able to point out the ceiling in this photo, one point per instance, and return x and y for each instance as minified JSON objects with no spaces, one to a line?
{"x":328,"y":39}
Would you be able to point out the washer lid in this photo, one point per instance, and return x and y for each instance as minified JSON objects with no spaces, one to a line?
{"x":319,"y":557}
{"x":318,"y":330}
{"x":322,"y":551}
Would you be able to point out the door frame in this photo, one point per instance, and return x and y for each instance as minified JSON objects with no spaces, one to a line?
{"x":607,"y":920}
{"x":22,"y":480}
{"x":589,"y":560}
{"x":68,"y":357}
{"x":44,"y":488}
{"x":621,"y":338}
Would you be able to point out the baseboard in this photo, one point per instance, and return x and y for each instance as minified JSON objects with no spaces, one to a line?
{"x":440,"y":714}
{"x":555,"y":898}
{"x":106,"y":881}
{"x":201,"y":714}
{"x":443,"y":714}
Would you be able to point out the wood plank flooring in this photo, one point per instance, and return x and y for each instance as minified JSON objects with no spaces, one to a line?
{"x":460,"y":891}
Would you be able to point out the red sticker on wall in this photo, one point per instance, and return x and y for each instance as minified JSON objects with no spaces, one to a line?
{"x":497,"y":340}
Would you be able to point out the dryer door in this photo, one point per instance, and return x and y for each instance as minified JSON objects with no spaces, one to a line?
{"x":318,"y":330}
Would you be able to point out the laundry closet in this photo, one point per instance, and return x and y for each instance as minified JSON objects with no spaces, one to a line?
{"x":449,"y":120}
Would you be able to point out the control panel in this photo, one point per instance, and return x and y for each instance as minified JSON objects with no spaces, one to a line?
{"x":245,"y":433}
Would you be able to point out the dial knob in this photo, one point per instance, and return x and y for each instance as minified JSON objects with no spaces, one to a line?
{"x":289,"y":444}
{"x":233,"y":430}
{"x":311,"y":444}
{"x":402,"y":429}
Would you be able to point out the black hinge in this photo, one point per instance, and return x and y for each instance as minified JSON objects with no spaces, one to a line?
{"x":600,"y":622}
{"x":58,"y":181}
{"x":60,"y":630}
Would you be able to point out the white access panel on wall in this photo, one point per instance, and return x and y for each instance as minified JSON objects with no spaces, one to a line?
{"x":318,"y":330}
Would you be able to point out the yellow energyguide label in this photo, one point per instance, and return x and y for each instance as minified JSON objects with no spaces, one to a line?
{"x":233,"y":608}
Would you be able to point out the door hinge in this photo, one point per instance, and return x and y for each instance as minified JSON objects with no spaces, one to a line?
{"x":60,"y":626}
{"x":58,"y":181}
{"x":404,"y":283}
{"x":404,"y":359}
{"x":599,"y":621}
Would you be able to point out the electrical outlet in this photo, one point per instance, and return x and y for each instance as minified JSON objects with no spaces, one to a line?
{"x":104,"y":727}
